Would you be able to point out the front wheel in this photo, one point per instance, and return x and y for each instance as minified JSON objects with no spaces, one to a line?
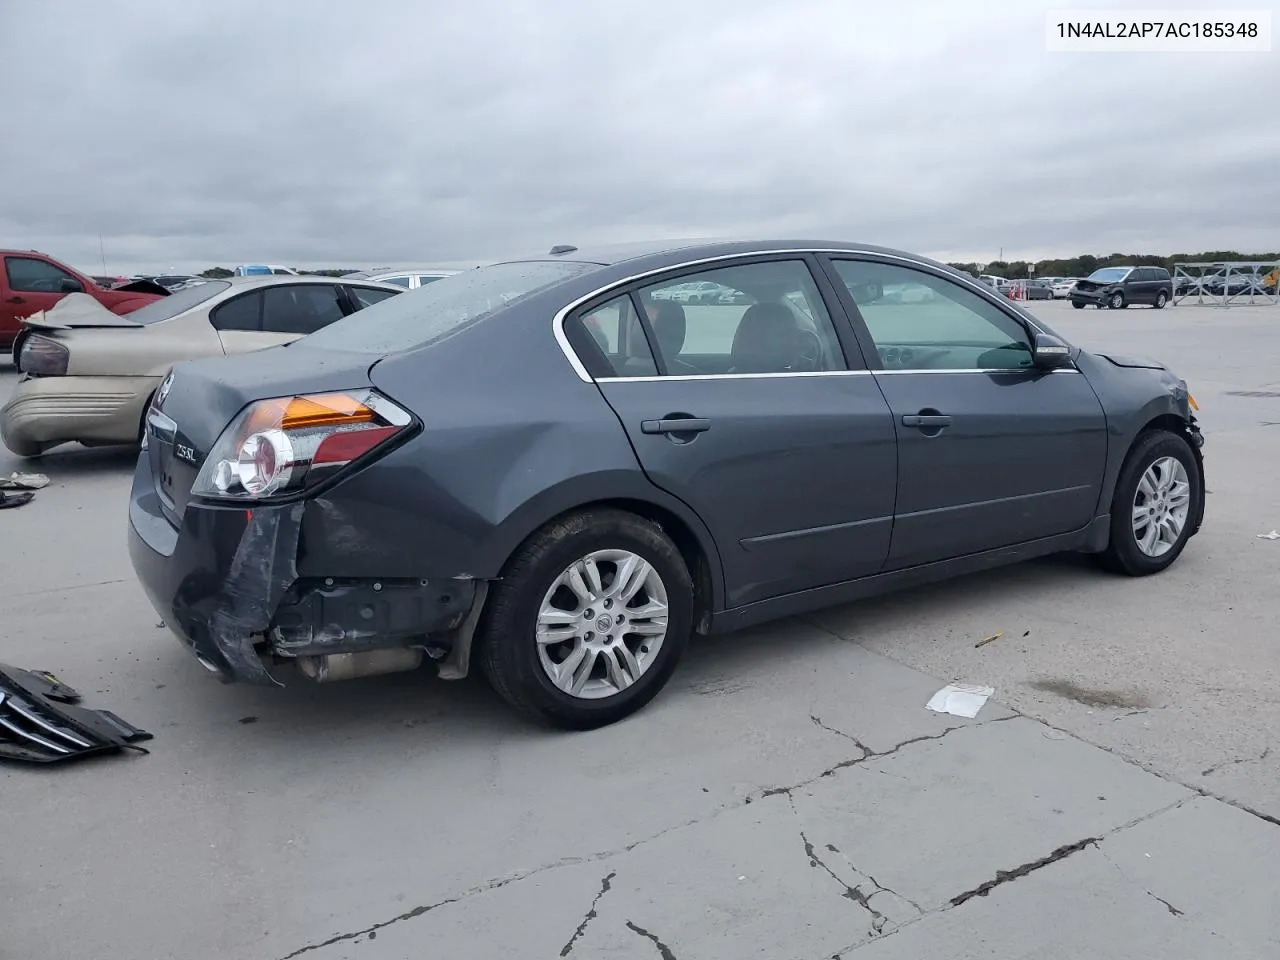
{"x":588,"y":621}
{"x":1157,"y":502}
{"x":1116,"y":301}
{"x":1078,"y":304}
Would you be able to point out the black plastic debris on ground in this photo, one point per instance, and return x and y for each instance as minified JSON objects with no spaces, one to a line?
{"x":41,"y":722}
{"x":11,"y":500}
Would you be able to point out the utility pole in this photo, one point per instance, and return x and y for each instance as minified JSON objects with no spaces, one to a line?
{"x":102,"y":252}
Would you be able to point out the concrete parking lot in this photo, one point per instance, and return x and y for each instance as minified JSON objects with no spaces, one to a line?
{"x":787,"y":796}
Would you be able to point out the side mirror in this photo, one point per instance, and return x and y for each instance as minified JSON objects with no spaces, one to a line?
{"x":1050,"y":353}
{"x":67,"y":285}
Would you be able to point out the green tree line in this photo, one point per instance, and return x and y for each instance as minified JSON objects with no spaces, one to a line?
{"x":1085,"y":264}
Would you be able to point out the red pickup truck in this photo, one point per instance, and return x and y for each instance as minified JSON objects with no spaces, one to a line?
{"x":32,"y":281}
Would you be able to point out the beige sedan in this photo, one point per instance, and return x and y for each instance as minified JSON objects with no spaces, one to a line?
{"x":88,"y":375}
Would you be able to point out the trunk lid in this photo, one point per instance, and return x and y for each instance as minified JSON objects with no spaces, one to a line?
{"x":203,"y":396}
{"x":77,"y":310}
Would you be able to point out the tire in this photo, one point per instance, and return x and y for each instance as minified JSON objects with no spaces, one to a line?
{"x":1161,"y":300}
{"x":1078,"y":304}
{"x":1123,"y":553}
{"x":511,"y":655}
{"x":1116,"y":301}
{"x":27,"y":451}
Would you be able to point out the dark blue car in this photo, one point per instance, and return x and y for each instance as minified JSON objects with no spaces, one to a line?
{"x":556,"y":467}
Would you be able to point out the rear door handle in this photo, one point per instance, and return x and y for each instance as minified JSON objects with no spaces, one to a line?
{"x":677,"y":425}
{"x":925,"y":420}
{"x":17,"y":300}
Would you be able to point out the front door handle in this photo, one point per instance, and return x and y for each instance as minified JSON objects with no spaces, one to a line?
{"x":926,"y":420}
{"x":675,"y":425}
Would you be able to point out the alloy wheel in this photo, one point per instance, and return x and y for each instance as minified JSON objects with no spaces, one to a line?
{"x":602,"y":624}
{"x":1161,"y":506}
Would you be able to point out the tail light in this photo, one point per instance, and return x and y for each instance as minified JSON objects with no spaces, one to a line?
{"x":43,"y":356}
{"x":286,"y":444}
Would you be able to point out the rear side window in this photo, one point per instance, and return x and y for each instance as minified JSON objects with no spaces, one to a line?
{"x":612,"y":340}
{"x":444,"y":307}
{"x":398,"y":281}
{"x":301,"y":308}
{"x":368,"y":296}
{"x":242,"y":313}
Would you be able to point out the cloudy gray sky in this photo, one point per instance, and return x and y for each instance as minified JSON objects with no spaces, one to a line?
{"x":205,"y":132}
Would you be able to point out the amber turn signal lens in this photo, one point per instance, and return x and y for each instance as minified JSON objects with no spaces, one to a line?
{"x":1192,"y":400}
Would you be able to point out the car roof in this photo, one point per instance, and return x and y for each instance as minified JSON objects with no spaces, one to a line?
{"x":277,"y":279}
{"x":661,"y":253}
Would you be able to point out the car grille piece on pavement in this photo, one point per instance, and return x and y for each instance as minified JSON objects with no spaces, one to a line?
{"x":40,"y":721}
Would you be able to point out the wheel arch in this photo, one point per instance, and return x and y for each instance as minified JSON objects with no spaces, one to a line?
{"x":686,"y":530}
{"x":1157,"y":416}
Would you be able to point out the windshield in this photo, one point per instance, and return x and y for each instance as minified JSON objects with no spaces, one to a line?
{"x":1109,"y":274}
{"x":429,"y":313}
{"x":180,"y":301}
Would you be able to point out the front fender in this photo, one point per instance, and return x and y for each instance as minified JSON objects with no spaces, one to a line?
{"x":1134,"y":395}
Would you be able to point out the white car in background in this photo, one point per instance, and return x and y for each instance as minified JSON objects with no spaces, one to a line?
{"x":1062,"y":287}
{"x":409,"y":279}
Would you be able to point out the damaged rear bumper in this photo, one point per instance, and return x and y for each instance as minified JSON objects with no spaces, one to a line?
{"x":227,"y":585}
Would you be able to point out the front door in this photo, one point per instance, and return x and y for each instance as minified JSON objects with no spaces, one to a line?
{"x":31,"y":285}
{"x":991,"y":452}
{"x":752,"y":416}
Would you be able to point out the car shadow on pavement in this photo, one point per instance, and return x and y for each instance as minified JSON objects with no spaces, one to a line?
{"x":72,"y":462}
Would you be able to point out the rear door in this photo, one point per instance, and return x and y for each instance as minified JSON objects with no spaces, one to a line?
{"x":754,"y":415}
{"x":991,"y":452}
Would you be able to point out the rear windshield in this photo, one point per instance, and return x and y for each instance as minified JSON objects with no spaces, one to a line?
{"x":178,"y":302}
{"x":429,"y":313}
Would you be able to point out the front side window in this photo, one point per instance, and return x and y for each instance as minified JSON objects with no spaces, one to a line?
{"x":29,"y":275}
{"x":300,"y":308}
{"x":919,"y":321}
{"x":752,"y":318}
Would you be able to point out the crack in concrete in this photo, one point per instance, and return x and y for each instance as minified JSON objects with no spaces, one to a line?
{"x":1147,"y":767}
{"x":590,"y":915}
{"x":1231,"y":763}
{"x":1171,"y":908}
{"x":868,"y":753}
{"x":1006,"y":876}
{"x":663,"y":950}
{"x":855,"y":894}
{"x":426,"y":908}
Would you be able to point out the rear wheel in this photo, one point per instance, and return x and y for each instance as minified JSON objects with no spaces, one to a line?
{"x":1161,"y":300}
{"x":1157,"y":498}
{"x":1078,"y":304}
{"x":588,"y":621}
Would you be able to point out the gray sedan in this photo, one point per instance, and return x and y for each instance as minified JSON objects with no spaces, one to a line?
{"x":552,"y":468}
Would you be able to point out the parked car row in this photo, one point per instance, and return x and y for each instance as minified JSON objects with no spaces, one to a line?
{"x":32,"y":282}
{"x":88,"y":373}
